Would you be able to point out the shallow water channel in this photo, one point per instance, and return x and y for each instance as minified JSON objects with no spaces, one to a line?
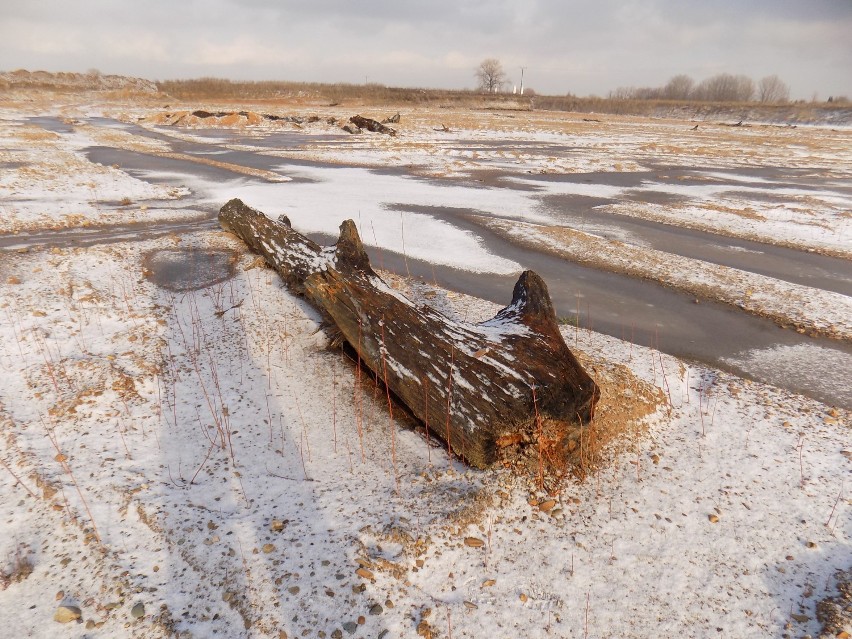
{"x":629,"y":308}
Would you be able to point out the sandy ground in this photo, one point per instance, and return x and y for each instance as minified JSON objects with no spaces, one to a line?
{"x":196,"y":462}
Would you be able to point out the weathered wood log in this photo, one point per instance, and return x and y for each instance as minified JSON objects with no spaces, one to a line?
{"x":477,"y":386}
{"x":371,"y":125}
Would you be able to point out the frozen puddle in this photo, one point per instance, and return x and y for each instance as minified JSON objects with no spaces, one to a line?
{"x":823,"y":372}
{"x":189,"y":270}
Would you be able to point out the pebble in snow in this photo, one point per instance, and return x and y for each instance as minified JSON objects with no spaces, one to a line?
{"x":66,"y":614}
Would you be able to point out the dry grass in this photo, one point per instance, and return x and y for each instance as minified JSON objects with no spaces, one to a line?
{"x":561,"y":451}
{"x":379,"y":94}
{"x":19,"y":567}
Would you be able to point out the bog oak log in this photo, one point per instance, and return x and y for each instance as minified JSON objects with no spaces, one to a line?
{"x":479,"y":387}
{"x":371,"y":125}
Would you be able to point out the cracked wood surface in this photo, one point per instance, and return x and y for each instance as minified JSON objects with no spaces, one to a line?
{"x":476,"y":386}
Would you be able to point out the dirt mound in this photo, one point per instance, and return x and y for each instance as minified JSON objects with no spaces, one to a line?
{"x":91,"y":81}
{"x":200,"y":118}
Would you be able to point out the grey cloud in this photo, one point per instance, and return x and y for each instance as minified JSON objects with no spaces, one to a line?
{"x":582,"y":46}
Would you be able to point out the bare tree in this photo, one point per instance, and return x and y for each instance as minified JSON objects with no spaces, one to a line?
{"x":490,"y":75}
{"x":678,"y":88}
{"x":725,"y":87}
{"x":772,"y":90}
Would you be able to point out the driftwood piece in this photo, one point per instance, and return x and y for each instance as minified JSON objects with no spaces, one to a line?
{"x":477,"y":386}
{"x":371,"y":125}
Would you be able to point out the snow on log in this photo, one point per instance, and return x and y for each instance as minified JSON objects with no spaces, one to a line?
{"x":479,"y":387}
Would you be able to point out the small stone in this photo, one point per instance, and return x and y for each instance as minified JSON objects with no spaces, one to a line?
{"x":547,"y":505}
{"x":473,"y":542}
{"x":488,"y":583}
{"x":293,"y":590}
{"x":90,"y":624}
{"x":376,"y":609}
{"x":523,"y":598}
{"x":67,"y":614}
{"x":60,"y":595}
{"x":363,"y":572}
{"x":350,"y":627}
{"x":811,"y":544}
{"x":470,"y":605}
{"x":277,"y":525}
{"x":138,"y":611}
{"x":361,"y":620}
{"x":268,"y":548}
{"x":714,"y":519}
{"x":337,"y":634}
{"x":13,"y":280}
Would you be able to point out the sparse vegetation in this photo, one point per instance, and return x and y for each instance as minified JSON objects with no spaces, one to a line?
{"x":18,"y":567}
{"x":666,"y":102}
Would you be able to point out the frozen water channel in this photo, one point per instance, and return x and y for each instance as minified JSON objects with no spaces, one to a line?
{"x":429,"y":218}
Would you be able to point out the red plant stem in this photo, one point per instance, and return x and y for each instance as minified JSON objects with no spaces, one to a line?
{"x":540,"y":436}
{"x":304,"y":426}
{"x":18,"y":479}
{"x":206,"y":457}
{"x":61,"y":458}
{"x":121,"y":432}
{"x":837,"y":501}
{"x":665,"y":378}
{"x":426,"y":410}
{"x":359,"y":401}
{"x":269,"y":417}
{"x":334,"y":403}
{"x":450,"y":395}
{"x":402,"y":231}
{"x":390,"y":408}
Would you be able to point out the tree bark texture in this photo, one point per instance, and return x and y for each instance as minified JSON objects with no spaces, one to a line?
{"x":479,"y":387}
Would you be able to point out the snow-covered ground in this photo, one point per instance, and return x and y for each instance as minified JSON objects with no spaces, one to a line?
{"x":195,"y":462}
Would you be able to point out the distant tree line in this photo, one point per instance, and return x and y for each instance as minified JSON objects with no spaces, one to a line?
{"x":722,"y":87}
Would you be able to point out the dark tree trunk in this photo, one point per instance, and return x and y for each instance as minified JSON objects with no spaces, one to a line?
{"x":479,"y":387}
{"x":371,"y":125}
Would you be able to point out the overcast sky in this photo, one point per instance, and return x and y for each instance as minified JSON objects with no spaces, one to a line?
{"x":578,"y":46}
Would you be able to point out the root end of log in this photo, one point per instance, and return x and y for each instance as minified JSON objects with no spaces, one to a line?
{"x":349,"y":248}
